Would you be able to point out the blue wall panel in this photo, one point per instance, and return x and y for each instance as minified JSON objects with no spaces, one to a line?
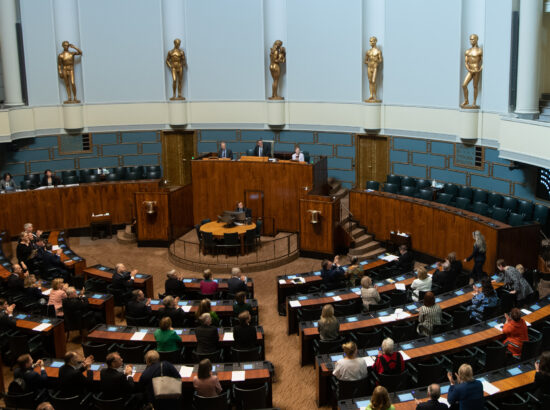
{"x":443,"y":175}
{"x":139,"y":137}
{"x":135,"y":160}
{"x":329,"y":138}
{"x":346,"y":151}
{"x":431,"y":160}
{"x":120,"y":149}
{"x":104,"y":139}
{"x":104,"y":162}
{"x":409,"y":170}
{"x":399,"y":156}
{"x":217,"y":135}
{"x":154,"y":148}
{"x":442,"y":148}
{"x":409,"y":144}
{"x":296,"y":136}
{"x":490,"y":184}
{"x":252,"y":135}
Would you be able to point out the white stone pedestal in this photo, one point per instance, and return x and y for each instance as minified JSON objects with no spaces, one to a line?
{"x":72,"y":117}
{"x":276,"y":112}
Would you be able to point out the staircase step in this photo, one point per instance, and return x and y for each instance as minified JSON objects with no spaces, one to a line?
{"x":123,"y":237}
{"x":349,"y":225}
{"x":369,"y":246}
{"x":362,"y":240}
{"x":357,"y":232}
{"x":371,"y":255}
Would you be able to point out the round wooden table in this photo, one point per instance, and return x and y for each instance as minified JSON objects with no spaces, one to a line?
{"x":217,"y":229}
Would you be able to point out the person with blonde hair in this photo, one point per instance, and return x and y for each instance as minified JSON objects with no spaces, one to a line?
{"x":329,"y":328}
{"x":479,"y":256}
{"x":57,"y":295}
{"x":465,"y":391}
{"x":380,"y":399}
{"x":350,"y":368}
{"x":422,"y":283}
{"x":156,"y":368}
{"x":369,"y":293}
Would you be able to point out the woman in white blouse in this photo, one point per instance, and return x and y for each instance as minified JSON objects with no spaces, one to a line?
{"x":422,"y":283}
{"x":350,"y":368}
{"x":298,"y":155}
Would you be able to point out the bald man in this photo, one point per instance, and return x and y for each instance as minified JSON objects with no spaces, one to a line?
{"x":434,"y":392}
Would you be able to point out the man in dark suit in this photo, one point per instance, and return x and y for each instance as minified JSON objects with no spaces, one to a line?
{"x":332,"y":273}
{"x":7,"y":321}
{"x":434,"y":392}
{"x":76,"y":306}
{"x":405,"y":263}
{"x":138,"y":306}
{"x":16,"y":283}
{"x":444,"y":279}
{"x":241,"y":208}
{"x":25,"y":370}
{"x":225,"y":152}
{"x":237,"y":282}
{"x":207,"y":335}
{"x":174,"y":286}
{"x":49,"y":260}
{"x":123,"y":280}
{"x":72,"y":381}
{"x":172,"y":310}
{"x":113,"y":383}
{"x":261,"y":150}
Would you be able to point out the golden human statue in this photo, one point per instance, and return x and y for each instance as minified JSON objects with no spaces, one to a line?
{"x":65,"y":68}
{"x":175,"y":60}
{"x":373,"y":59}
{"x":276,"y":57}
{"x":473,"y":60}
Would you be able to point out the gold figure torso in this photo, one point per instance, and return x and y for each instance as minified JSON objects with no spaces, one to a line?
{"x":373,"y":59}
{"x":276,"y":57}
{"x":175,"y":60}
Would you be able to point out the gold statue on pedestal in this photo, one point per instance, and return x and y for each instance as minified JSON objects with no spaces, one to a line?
{"x":473,"y":60}
{"x":65,"y":68}
{"x":276,"y":57}
{"x":175,"y":60}
{"x":373,"y":58}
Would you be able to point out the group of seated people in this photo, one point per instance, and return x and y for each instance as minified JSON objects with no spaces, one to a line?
{"x":175,"y":286}
{"x":7,"y":183}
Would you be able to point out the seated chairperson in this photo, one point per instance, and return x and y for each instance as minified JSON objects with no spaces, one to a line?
{"x":542,"y":376}
{"x":205,"y":384}
{"x":369,"y":293}
{"x":208,"y":286}
{"x":123,"y":279}
{"x":49,"y":179}
{"x":380,"y":400}
{"x":428,"y":315}
{"x":72,"y":381}
{"x":484,"y":297}
{"x":388,"y":361}
{"x":138,"y":306}
{"x":244,"y":334}
{"x":206,"y":307}
{"x":515,"y":330}
{"x":467,"y":392}
{"x":511,"y":277}
{"x":422,"y":283}
{"x":332,"y":273}
{"x":112,"y":382}
{"x":354,"y":273}
{"x":225,"y":152}
{"x":172,"y":310}
{"x":174,"y":285}
{"x":57,"y":294}
{"x":7,"y":321}
{"x":350,"y":368}
{"x":207,"y":335}
{"x":241,"y":208}
{"x":297,"y":155}
{"x":153,"y":369}
{"x":167,"y":339}
{"x":7,"y":183}
{"x":32,"y":288}
{"x":405,"y":262}
{"x":434,"y":392}
{"x":444,"y":278}
{"x":16,"y":281}
{"x":329,"y":328}
{"x":25,"y":370}
{"x":261,"y":150}
{"x":237,"y":282}
{"x":240,"y":304}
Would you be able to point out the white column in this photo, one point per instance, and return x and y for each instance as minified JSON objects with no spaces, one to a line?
{"x":274,"y":29}
{"x":530,"y":21}
{"x":10,"y":55}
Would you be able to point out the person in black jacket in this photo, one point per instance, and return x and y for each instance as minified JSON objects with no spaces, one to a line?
{"x":113,"y":383}
{"x":25,"y":370}
{"x":32,"y":288}
{"x":138,"y":306}
{"x":50,"y":179}
{"x":237,"y":282}
{"x":542,"y":376}
{"x":332,"y":273}
{"x":225,"y":152}
{"x":434,"y":392}
{"x":244,"y":334}
{"x":72,"y":381}
{"x":16,"y":281}
{"x":174,"y":285}
{"x":25,"y":250}
{"x":7,"y":321}
{"x":207,"y":335}
{"x":479,"y":256}
{"x":444,"y":279}
{"x":172,"y":310}
{"x":123,"y":279}
{"x":405,"y":262}
{"x":75,"y":306}
{"x":261,"y":150}
{"x":154,"y":369}
{"x":50,"y":260}
{"x":456,"y":265}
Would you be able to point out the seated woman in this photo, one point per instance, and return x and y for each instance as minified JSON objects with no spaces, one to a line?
{"x":542,"y":376}
{"x":7,"y":183}
{"x":515,"y":330}
{"x":32,"y":288}
{"x":369,"y":293}
{"x":428,"y":315}
{"x":484,"y":297}
{"x":380,"y":400}
{"x":328,"y":324}
{"x":240,"y":304}
{"x":57,"y":294}
{"x":388,"y":361}
{"x":244,"y":334}
{"x":205,"y":307}
{"x":208,"y":286}
{"x":350,"y":368}
{"x":354,"y":272}
{"x":422,"y":283}
{"x":204,"y":383}
{"x":167,"y":339}
{"x":468,"y":392}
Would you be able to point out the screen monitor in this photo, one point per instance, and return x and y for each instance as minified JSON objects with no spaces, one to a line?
{"x":230,"y":217}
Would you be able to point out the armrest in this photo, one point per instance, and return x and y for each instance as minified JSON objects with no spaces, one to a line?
{"x":84,"y":402}
{"x":353,"y":337}
{"x":532,"y":398}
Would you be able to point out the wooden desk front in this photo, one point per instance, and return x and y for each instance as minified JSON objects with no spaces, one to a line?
{"x":57,"y":238}
{"x":56,"y":333}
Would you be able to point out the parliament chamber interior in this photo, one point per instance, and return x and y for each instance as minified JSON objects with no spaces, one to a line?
{"x":274,"y":204}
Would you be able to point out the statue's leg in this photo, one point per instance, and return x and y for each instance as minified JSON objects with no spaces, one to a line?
{"x":476,"y":83}
{"x":180,"y":81}
{"x":73,"y":85}
{"x":465,"y":88}
{"x":67,"y":82}
{"x":174,"y":83}
{"x":373,"y":92}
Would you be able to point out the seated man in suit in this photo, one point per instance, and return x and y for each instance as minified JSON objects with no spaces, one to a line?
{"x":7,"y":321}
{"x":332,"y":273}
{"x":138,"y":306}
{"x":444,"y":279}
{"x":112,"y":382}
{"x":405,"y":263}
{"x":172,"y":310}
{"x":123,"y":281}
{"x":34,"y":381}
{"x":225,"y":152}
{"x":16,"y":281}
{"x":207,"y":335}
{"x":434,"y":392}
{"x":174,"y":285}
{"x":72,"y":381}
{"x":78,"y":306}
{"x":241,"y":208}
{"x":50,"y":260}
{"x":237,"y":282}
{"x":261,"y":150}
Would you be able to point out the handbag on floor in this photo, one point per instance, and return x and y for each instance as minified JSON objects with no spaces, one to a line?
{"x":166,"y":387}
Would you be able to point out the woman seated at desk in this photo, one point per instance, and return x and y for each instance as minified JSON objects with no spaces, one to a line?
{"x":484,"y":298}
{"x":298,"y":156}
{"x":515,"y":330}
{"x":422,"y":283}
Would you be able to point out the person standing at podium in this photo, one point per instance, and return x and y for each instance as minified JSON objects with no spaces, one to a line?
{"x":260,"y":150}
{"x":225,"y":152}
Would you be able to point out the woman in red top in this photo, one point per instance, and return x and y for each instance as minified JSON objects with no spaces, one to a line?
{"x":208,"y":286}
{"x":515,"y":330}
{"x":388,"y":361}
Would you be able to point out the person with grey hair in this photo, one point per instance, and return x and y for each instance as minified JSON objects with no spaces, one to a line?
{"x":174,"y":285}
{"x":444,"y":279}
{"x":171,"y":309}
{"x":434,"y":392}
{"x":388,"y":361}
{"x":156,"y":367}
{"x":207,"y":335}
{"x":237,"y":282}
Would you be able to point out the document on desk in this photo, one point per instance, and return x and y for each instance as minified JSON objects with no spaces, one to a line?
{"x":47,"y":292}
{"x":41,"y":327}
{"x":499,"y":326}
{"x":294,"y":303}
{"x":386,"y":319}
{"x":390,"y":258}
{"x":369,"y":361}
{"x":400,"y":286}
{"x":228,"y":337}
{"x":489,"y":388}
{"x":186,"y":371}
{"x":526,"y":312}
{"x":405,"y":355}
{"x":282,"y":282}
{"x":238,"y":376}
{"x":336,"y":298}
{"x":186,"y":308}
{"x":138,"y":336}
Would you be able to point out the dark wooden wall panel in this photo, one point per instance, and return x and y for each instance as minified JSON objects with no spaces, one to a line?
{"x":181,"y":210}
{"x":318,"y":237}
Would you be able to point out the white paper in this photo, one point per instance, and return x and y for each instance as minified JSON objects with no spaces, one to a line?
{"x":390,"y":258}
{"x":41,"y":327}
{"x":294,"y":303}
{"x":228,"y":336}
{"x":186,"y":371}
{"x":405,"y":355}
{"x":47,"y":292}
{"x":400,"y":286}
{"x":386,"y":319}
{"x":444,"y":401}
{"x":369,"y":361}
{"x":55,"y":248}
{"x":237,"y":376}
{"x":526,"y":312}
{"x":186,"y":308}
{"x":138,"y":336}
{"x":336,"y":298}
{"x":499,"y":326}
{"x":282,"y":282}
{"x":402,"y":315}
{"x":489,"y":388}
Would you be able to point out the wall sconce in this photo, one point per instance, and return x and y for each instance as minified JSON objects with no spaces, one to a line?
{"x":150,"y":207}
{"x":315,"y":214}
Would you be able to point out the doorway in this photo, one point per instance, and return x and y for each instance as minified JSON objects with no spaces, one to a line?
{"x":178,"y":150}
{"x":372,"y":159}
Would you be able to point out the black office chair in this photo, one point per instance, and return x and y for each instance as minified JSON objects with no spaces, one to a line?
{"x":174,"y":356}
{"x":408,"y":190}
{"x":97,"y":349}
{"x":391,"y":188}
{"x":393,"y":382}
{"x":499,"y":214}
{"x":251,"y":398}
{"x":76,"y":321}
{"x":450,"y":189}
{"x":344,"y":390}
{"x":214,"y":357}
{"x":408,"y":181}
{"x":69,"y":179}
{"x":374,"y":185}
{"x":153,"y":168}
{"x":113,"y":177}
{"x":21,"y":401}
{"x":384,"y":303}
{"x":446,"y":324}
{"x":463,"y":203}
{"x":138,"y":321}
{"x":246,"y":355}
{"x":397,"y":297}
{"x":526,"y":209}
{"x":479,"y":196}
{"x":471,"y":356}
{"x":422,"y":183}
{"x":306,"y":313}
{"x":220,"y":402}
{"x":434,"y":369}
{"x":20,"y":343}
{"x":153,"y":175}
{"x":132,"y":353}
{"x":368,"y":338}
{"x":495,"y":355}
{"x":402,"y":331}
{"x":208,"y":243}
{"x":131,"y":176}
{"x":425,"y":194}
{"x":540,"y":214}
{"x":394,"y":179}
{"x":250,"y":240}
{"x":494,"y":200}
{"x":307,"y":156}
{"x":91,"y":178}
{"x":259,"y":225}
{"x":444,"y":198}
{"x":465,"y":192}
{"x":509,"y":203}
{"x":347,"y":307}
{"x":68,"y":403}
{"x":532,"y":347}
{"x":25,"y":184}
{"x":112,"y":404}
{"x":231,"y":242}
{"x":516,"y":219}
{"x":327,"y":346}
{"x":481,"y":208}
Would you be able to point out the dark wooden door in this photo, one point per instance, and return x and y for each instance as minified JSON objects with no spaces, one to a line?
{"x":178,"y":149}
{"x":372,"y":163}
